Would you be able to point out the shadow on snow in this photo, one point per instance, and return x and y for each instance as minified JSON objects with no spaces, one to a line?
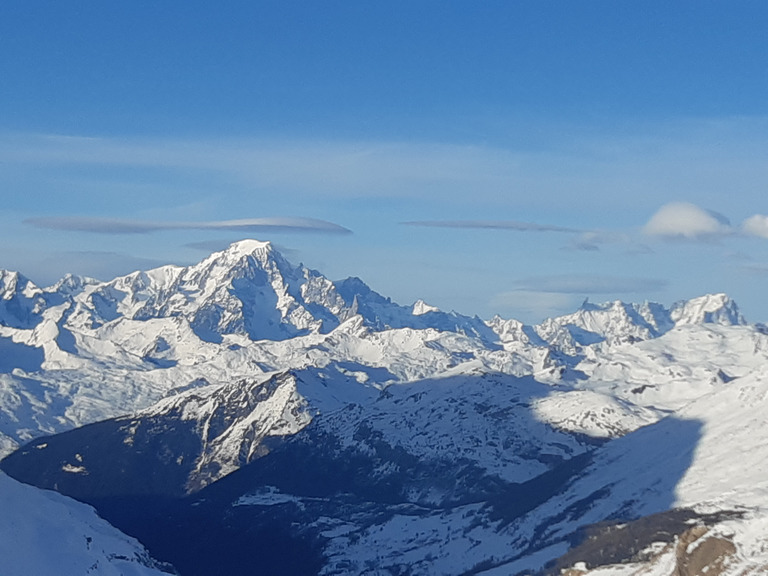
{"x":362,"y":464}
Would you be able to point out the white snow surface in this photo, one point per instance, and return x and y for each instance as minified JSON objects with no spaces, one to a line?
{"x":74,"y":539}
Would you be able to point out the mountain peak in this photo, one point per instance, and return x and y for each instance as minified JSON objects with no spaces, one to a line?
{"x":21,"y":300}
{"x":710,"y":309}
{"x":420,"y":308}
{"x":248,"y":246}
{"x":243,"y":253}
{"x":72,"y":284}
{"x":13,"y":282}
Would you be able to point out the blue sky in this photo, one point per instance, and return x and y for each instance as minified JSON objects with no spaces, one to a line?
{"x":494,"y":157}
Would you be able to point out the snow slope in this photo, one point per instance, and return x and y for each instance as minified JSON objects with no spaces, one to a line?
{"x":46,"y":534}
{"x":709,"y":458}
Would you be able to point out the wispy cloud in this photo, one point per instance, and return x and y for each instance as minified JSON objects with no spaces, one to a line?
{"x":579,"y":170}
{"x":756,"y":267}
{"x":589,"y":284}
{"x":513,"y":225}
{"x":127,"y":226}
{"x":334,"y":169}
{"x":593,"y":240}
{"x":583,"y":245}
{"x":688,"y":221}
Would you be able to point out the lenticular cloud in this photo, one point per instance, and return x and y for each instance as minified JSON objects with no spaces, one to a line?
{"x":129,"y":226}
{"x":684,"y":220}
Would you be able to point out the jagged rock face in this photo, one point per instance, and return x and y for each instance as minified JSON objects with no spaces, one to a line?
{"x":660,"y":548}
{"x":681,"y":537}
{"x":698,"y":552}
{"x":713,"y":308}
{"x":180,"y":445}
{"x":21,"y":302}
{"x":198,"y":436}
{"x":248,"y":289}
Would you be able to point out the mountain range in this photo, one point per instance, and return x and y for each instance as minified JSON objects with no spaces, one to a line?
{"x":247,"y":416}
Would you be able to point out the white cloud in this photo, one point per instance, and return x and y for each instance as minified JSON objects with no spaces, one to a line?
{"x":685,"y":220}
{"x":756,"y":225}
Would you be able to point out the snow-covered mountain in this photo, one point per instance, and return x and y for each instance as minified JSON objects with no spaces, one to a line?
{"x":81,"y":350}
{"x":281,"y":410}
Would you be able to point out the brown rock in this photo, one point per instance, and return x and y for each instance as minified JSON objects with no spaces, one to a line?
{"x":709,"y":557}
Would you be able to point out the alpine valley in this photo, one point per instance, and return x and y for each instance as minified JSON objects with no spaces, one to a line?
{"x":245,"y":416}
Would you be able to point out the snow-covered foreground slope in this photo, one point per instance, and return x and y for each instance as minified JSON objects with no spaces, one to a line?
{"x":245,"y":404}
{"x":708,"y":462}
{"x":46,"y":534}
